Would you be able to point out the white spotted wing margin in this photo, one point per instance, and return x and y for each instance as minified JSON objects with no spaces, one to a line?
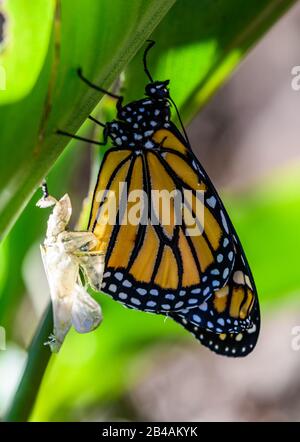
{"x":227,"y":344}
{"x":235,"y":330}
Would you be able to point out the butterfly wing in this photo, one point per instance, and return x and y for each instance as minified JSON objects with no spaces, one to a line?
{"x":227,"y":310}
{"x":151,"y":264}
{"x":228,"y":322}
{"x":227,"y":344}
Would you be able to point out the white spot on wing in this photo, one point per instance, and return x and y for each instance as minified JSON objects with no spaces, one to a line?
{"x":224,"y":222}
{"x":193,"y":301}
{"x":197,"y":318}
{"x":239,"y":277}
{"x":151,"y":304}
{"x":119,"y":276}
{"x":179,"y":304}
{"x":211,"y":202}
{"x":135,"y":301}
{"x":141,"y":291}
{"x":203,"y":306}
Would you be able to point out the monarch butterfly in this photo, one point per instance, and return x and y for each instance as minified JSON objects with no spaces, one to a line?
{"x":202,"y":280}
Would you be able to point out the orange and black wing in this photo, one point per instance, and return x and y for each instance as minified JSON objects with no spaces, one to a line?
{"x":228,"y":344}
{"x":228,"y":322}
{"x":159,"y":264}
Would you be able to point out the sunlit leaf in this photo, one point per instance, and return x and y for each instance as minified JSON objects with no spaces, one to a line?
{"x":87,"y":33}
{"x":21,"y":23}
{"x":198,"y":45}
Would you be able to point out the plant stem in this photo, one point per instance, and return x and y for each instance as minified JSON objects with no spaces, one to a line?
{"x":38,"y":358}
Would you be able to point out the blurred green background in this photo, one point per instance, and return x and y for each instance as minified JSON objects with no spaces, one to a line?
{"x":136,"y":365}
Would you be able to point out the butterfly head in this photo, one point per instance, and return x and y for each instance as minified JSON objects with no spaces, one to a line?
{"x":158,"y":89}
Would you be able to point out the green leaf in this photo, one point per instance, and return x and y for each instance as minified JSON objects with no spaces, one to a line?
{"x":100,"y":36}
{"x":100,"y":366}
{"x":198,"y":45}
{"x":26,"y":32}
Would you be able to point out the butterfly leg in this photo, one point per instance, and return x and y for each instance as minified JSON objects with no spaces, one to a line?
{"x":100,"y":89}
{"x":76,"y":137}
{"x":90,"y":117}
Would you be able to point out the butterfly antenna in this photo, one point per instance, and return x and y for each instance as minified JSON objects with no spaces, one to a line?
{"x":44,"y":188}
{"x":150,"y":45}
{"x":180,"y":121}
{"x":90,"y":117}
{"x":94,"y":86}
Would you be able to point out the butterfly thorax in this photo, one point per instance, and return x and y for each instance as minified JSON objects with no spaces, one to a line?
{"x":138,"y":120}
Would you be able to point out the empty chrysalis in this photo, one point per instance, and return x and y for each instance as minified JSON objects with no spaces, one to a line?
{"x":64,"y":254}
